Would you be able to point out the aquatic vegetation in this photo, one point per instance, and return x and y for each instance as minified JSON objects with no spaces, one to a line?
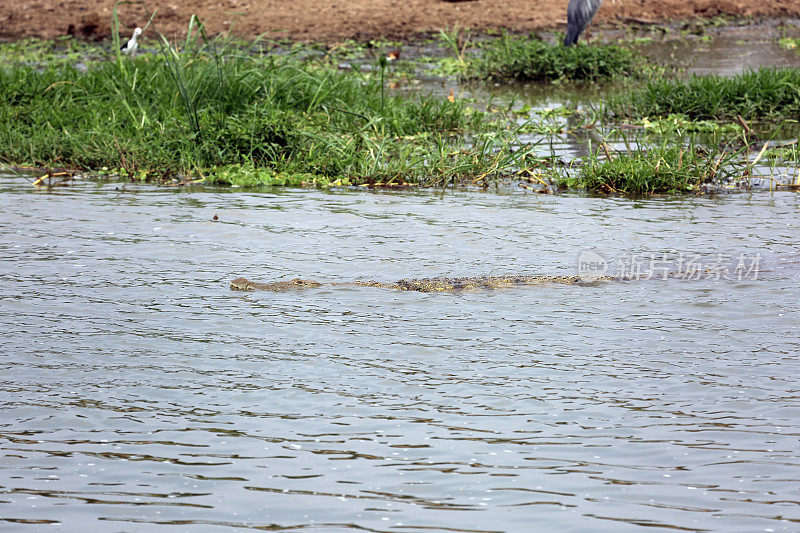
{"x":663,"y":169}
{"x":529,"y":59}
{"x":676,"y":124}
{"x":457,"y":41}
{"x":205,"y":107}
{"x":41,"y":52}
{"x":249,"y":176}
{"x":428,"y":160}
{"x":759,"y":94}
{"x":286,"y":114}
{"x":790,"y":43}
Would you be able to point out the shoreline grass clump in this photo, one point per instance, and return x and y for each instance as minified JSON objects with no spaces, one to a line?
{"x":528,"y":59}
{"x":765,"y":93}
{"x":206,"y":107}
{"x":663,"y":169}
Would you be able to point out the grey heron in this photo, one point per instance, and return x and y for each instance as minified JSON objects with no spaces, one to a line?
{"x":579,"y":14}
{"x":132,"y":44}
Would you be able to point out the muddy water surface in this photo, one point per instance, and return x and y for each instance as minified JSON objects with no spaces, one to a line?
{"x":140,"y":394}
{"x":724,"y":55}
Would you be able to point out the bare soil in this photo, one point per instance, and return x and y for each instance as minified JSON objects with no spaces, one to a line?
{"x":328,"y":21}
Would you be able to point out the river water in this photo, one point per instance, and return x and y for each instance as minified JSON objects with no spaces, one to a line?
{"x":141,"y":394}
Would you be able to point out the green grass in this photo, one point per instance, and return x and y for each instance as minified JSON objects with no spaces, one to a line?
{"x":528,"y":59}
{"x":661,"y":169}
{"x":208,"y":110}
{"x":755,"y":95}
{"x":60,"y":50}
{"x":224,"y":112}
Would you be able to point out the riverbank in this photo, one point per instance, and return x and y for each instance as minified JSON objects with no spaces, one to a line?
{"x":362,"y":20}
{"x":218,"y":113}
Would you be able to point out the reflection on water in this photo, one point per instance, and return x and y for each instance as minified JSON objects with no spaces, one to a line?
{"x":724,"y":55}
{"x":140,"y":392}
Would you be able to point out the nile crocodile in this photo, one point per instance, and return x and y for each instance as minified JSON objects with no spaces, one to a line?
{"x":420,"y":285}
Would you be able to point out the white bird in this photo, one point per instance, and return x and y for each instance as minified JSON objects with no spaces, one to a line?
{"x":579,"y":14}
{"x":133,"y":44}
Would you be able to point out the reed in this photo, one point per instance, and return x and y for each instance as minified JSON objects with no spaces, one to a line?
{"x":762,"y":94}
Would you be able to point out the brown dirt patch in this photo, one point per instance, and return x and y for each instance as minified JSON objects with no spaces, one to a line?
{"x":359,"y":19}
